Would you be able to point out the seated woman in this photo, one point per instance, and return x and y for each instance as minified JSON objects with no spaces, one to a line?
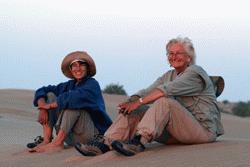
{"x":183,"y":109}
{"x":75,"y":108}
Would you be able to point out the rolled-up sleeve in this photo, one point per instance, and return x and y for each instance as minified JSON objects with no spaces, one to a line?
{"x":159,"y":81}
{"x":42,"y":92}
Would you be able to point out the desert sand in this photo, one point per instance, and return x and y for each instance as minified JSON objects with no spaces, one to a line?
{"x":18,"y":126}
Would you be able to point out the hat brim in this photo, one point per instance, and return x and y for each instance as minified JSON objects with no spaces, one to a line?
{"x":68,"y":59}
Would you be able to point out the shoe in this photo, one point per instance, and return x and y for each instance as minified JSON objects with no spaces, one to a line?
{"x":37,"y":140}
{"x":94,"y":147}
{"x":130,"y":147}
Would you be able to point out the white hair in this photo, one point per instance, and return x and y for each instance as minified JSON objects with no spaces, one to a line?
{"x":188,"y":46}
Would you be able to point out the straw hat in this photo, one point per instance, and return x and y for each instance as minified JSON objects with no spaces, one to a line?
{"x":219,"y":84}
{"x":82,"y":56}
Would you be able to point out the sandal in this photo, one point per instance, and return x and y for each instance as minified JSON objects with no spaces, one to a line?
{"x":37,"y":140}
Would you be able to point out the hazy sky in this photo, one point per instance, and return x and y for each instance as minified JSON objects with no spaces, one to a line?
{"x":125,"y":38}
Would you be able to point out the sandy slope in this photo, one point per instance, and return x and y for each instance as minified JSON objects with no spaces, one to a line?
{"x":18,"y":126}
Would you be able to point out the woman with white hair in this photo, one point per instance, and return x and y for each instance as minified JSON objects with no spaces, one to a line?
{"x":179,"y":107}
{"x":74,"y":108}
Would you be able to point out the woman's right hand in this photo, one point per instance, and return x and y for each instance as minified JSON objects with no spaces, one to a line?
{"x":43,"y":117}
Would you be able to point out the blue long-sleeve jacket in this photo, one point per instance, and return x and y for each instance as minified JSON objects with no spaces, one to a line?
{"x":85,"y":95}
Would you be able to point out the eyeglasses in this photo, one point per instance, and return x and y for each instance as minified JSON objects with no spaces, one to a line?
{"x":76,"y":66}
{"x":171,"y":54}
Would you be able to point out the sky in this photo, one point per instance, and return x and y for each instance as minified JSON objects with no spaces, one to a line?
{"x":125,"y":38}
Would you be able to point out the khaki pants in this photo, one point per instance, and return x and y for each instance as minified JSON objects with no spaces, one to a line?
{"x":166,"y":121}
{"x":76,"y":124}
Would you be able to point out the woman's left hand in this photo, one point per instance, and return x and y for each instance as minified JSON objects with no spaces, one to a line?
{"x":128,"y":107}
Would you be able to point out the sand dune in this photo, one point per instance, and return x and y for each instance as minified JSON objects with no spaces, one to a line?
{"x":18,"y":126}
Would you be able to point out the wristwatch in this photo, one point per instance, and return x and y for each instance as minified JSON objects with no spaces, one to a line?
{"x":141,"y":100}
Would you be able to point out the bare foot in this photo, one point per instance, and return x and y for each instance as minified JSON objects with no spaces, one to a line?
{"x":39,"y":145}
{"x":51,"y":147}
{"x":43,"y":143}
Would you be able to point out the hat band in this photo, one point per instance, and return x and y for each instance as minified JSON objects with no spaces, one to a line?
{"x":76,"y":60}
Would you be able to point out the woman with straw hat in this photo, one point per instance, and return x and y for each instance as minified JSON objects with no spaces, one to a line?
{"x":74,"y":108}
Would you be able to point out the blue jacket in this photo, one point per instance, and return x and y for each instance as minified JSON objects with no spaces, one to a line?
{"x":86,"y":95}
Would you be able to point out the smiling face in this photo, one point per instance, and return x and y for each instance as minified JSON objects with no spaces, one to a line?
{"x":78,"y":70}
{"x":178,"y":57}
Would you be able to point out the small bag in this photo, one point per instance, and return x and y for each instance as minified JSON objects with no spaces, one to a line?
{"x":219,"y":84}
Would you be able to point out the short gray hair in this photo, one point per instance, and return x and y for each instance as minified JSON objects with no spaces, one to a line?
{"x":188,"y":45}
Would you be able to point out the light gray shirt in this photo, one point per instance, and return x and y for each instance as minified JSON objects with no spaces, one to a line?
{"x":195,"y":91}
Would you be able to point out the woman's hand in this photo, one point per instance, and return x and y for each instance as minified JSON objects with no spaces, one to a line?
{"x":135,"y":102}
{"x":128,"y":107}
{"x":48,"y":106}
{"x":43,"y":108}
{"x":43,"y":117}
